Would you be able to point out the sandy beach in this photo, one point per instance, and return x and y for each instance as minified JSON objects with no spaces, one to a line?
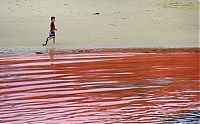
{"x":118,"y":24}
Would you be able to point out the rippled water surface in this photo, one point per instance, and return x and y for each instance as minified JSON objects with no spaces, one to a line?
{"x":99,"y":88}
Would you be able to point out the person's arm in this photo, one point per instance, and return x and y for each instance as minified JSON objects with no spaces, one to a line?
{"x":55,"y":28}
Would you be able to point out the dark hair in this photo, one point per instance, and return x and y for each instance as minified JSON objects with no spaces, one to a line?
{"x":52,"y":18}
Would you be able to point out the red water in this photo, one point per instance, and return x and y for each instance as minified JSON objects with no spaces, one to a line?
{"x":99,"y":88}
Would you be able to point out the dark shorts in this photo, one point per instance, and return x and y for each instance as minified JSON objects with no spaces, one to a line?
{"x":52,"y":34}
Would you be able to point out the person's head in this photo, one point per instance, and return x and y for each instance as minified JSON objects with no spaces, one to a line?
{"x":53,"y":19}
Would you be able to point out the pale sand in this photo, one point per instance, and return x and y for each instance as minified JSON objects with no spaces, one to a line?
{"x":120,"y":24}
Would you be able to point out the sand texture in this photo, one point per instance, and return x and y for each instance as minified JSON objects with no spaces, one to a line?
{"x":84,"y":24}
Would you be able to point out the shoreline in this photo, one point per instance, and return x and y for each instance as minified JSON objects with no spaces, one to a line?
{"x":121,"y":50}
{"x":99,"y":50}
{"x":133,"y":50}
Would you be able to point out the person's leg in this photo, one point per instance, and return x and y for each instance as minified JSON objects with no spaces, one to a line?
{"x":46,"y":41}
{"x":54,"y":39}
{"x":48,"y":38}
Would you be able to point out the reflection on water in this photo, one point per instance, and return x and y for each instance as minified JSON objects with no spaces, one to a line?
{"x":99,"y":88}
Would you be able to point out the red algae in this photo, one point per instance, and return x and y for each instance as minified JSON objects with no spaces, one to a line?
{"x":99,"y":88}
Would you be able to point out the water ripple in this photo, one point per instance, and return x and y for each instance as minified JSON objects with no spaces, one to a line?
{"x":99,"y":88}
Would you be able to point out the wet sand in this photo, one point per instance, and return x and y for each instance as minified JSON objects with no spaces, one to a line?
{"x":127,"y":50}
{"x":100,"y":88}
{"x":58,"y":51}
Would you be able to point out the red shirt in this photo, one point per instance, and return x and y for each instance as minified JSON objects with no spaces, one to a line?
{"x":52,"y":27}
